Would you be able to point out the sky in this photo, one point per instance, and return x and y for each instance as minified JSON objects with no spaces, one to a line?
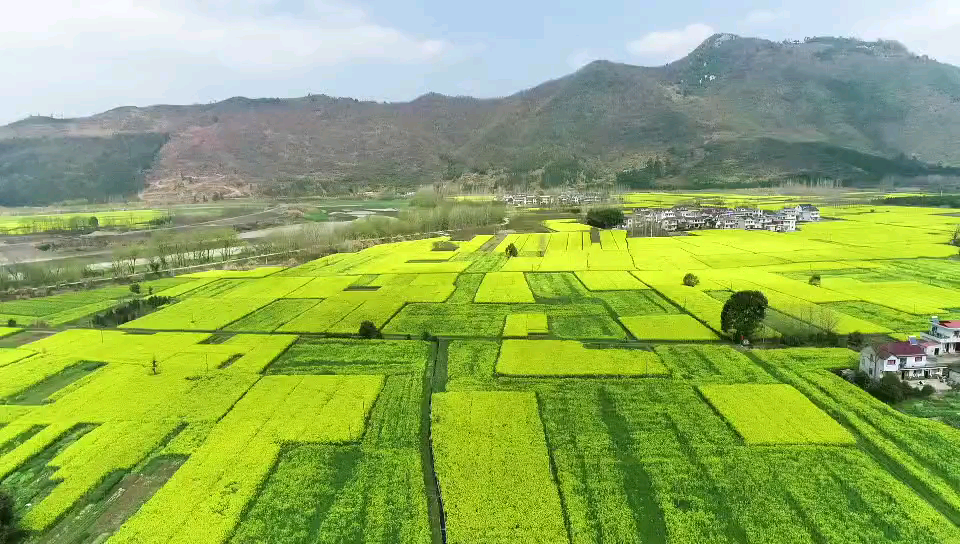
{"x":79,"y":57}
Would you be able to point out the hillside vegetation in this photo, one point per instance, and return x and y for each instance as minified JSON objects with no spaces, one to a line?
{"x":734,"y":111}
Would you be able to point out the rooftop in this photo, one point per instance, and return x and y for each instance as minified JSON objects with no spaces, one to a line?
{"x":900,"y":349}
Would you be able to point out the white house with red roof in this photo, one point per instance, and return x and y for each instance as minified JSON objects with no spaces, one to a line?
{"x":911,"y":360}
{"x":946,"y":333}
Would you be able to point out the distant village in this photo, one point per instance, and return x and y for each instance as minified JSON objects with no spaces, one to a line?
{"x":683,"y":218}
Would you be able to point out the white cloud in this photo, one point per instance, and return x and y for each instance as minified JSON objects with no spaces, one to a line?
{"x":764,"y":17}
{"x":579,"y":59}
{"x":670,"y":45}
{"x":931,"y":28}
{"x":137,"y":49}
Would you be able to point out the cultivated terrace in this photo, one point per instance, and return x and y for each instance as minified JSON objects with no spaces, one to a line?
{"x":578,"y":392}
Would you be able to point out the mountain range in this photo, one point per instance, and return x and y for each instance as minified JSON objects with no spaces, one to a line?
{"x":735,"y":111}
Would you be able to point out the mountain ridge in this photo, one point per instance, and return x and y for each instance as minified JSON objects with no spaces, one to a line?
{"x":739,"y":97}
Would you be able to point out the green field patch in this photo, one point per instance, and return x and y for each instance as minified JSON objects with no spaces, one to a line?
{"x":321,"y":317}
{"x":466,"y":288}
{"x":774,"y":414}
{"x":711,"y":364}
{"x":347,"y":356}
{"x":323,"y":287}
{"x":199,"y":313}
{"x":493,"y":468}
{"x":217,"y":287}
{"x":667,"y":327}
{"x":557,"y":287}
{"x":572,"y":358}
{"x":894,"y":319}
{"x":525,"y":324}
{"x":260,"y":272}
{"x":595,"y":327}
{"x":639,"y":302}
{"x":12,"y":437}
{"x":591,"y":321}
{"x":39,"y":392}
{"x":31,"y":481}
{"x":610,"y":280}
{"x":504,"y":287}
{"x":273,"y":315}
{"x":471,"y":364}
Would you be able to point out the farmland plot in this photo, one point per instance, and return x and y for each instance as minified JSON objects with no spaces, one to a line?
{"x":494,"y":469}
{"x":582,"y":435}
{"x":571,"y":358}
{"x":504,"y":287}
{"x":774,"y":414}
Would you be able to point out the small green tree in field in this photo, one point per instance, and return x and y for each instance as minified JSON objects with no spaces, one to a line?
{"x":10,"y":531}
{"x":135,"y":288}
{"x":691,"y":280}
{"x":368,"y":330}
{"x":815,"y":280}
{"x":743,"y":312}
{"x":93,"y":222}
{"x":11,"y":322}
{"x":511,"y":250}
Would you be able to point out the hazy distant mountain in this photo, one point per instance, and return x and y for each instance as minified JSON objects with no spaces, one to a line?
{"x":734,"y":110}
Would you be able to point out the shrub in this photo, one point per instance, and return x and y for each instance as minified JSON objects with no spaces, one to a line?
{"x":927,"y":390}
{"x":691,"y":280}
{"x":815,"y":280}
{"x":511,"y":250}
{"x":135,"y":288}
{"x":10,"y":531}
{"x":855,"y":340}
{"x":444,"y":245}
{"x":369,"y":330}
{"x":11,"y":322}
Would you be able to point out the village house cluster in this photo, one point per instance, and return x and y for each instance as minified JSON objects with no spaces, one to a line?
{"x":683,"y":218}
{"x":548,"y":201}
{"x":929,"y":356}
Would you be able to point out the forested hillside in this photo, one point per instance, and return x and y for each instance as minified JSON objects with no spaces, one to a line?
{"x":47,"y":169}
{"x":734,"y":111}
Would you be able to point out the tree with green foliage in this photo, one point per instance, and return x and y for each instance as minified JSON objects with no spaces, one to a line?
{"x":93,"y":222}
{"x":855,"y":340}
{"x":11,"y":322}
{"x":605,"y":218}
{"x":10,"y":531}
{"x":691,"y":280}
{"x":814,"y":280}
{"x":743,"y":312}
{"x":511,"y":250}
{"x":369,"y":331}
{"x":135,"y":288}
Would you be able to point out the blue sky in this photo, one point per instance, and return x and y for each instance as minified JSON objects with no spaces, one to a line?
{"x":75,"y":57}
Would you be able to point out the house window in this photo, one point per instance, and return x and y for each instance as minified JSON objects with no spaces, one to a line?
{"x":918,"y":359}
